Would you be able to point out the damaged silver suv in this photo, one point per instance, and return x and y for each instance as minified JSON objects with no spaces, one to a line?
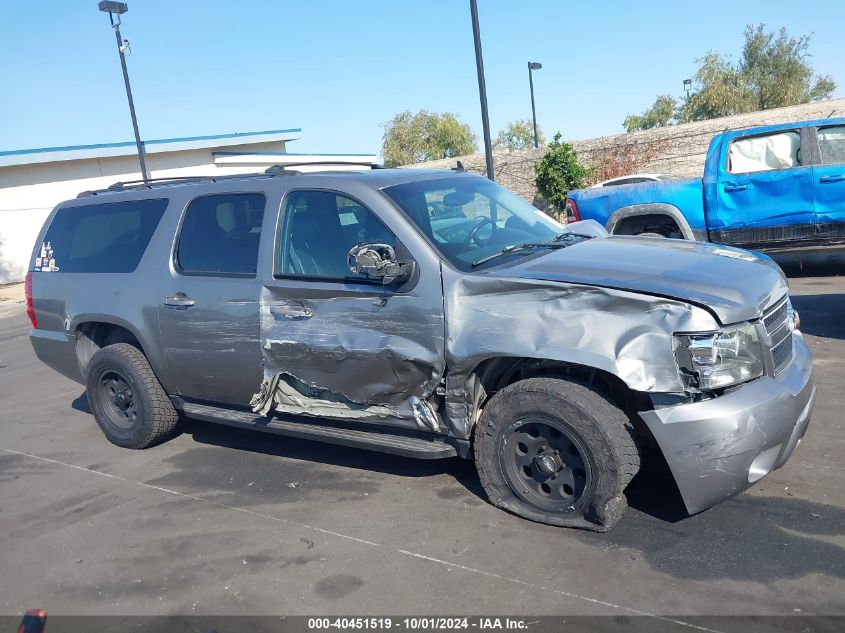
{"x":427,"y":314}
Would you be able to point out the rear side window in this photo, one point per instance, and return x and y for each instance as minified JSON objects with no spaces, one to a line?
{"x":766,"y":152}
{"x":220,"y":235}
{"x":832,"y":145}
{"x":99,"y":238}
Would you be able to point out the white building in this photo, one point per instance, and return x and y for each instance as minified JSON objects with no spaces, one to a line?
{"x":33,"y":181}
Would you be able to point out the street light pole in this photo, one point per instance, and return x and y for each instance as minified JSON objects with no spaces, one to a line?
{"x":532,"y":66}
{"x":116,"y":9}
{"x":482,"y":89}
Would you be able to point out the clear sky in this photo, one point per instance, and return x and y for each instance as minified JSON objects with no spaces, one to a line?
{"x":340,"y":69}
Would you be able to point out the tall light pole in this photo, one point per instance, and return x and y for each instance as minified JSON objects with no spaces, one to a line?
{"x":482,"y":90}
{"x":115,"y":10}
{"x":532,"y":66}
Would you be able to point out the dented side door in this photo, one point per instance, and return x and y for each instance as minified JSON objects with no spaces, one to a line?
{"x":335,"y":346}
{"x":208,"y":292}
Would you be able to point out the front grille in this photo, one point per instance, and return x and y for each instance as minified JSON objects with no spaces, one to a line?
{"x":782,"y":354}
{"x":776,"y":322}
{"x":774,"y":319}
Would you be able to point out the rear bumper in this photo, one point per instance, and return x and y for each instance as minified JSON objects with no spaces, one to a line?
{"x":58,"y":351}
{"x":720,"y":447}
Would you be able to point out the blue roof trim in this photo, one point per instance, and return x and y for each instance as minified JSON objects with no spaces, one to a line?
{"x":182,"y":139}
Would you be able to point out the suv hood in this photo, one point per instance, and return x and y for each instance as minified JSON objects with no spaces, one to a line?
{"x":735,"y":284}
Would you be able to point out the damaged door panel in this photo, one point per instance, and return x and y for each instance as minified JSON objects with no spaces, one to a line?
{"x":362,"y":353}
{"x":339,"y":345}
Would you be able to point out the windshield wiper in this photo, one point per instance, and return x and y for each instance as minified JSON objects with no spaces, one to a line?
{"x":517,"y":247}
{"x":555,"y":242}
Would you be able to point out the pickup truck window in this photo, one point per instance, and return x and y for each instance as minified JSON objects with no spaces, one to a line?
{"x":832,"y":145}
{"x":781,"y":150}
{"x":99,"y":238}
{"x":469,"y":218}
{"x":220,"y":235}
{"x":318,"y":230}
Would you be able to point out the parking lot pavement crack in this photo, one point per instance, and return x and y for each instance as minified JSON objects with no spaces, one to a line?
{"x":401,"y":552}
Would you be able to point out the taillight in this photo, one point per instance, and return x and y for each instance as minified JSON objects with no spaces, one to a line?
{"x":572,"y":213}
{"x":30,"y":309}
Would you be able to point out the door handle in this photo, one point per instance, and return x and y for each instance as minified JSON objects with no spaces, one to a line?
{"x":179,"y":300}
{"x":292,"y":310}
{"x":837,"y":178}
{"x":729,"y":186}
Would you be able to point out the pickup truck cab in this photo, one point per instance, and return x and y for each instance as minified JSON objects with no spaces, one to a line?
{"x":428,"y":314}
{"x":775,"y":189}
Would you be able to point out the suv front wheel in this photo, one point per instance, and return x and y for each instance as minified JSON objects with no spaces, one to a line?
{"x":126,"y":398}
{"x":557,"y":452}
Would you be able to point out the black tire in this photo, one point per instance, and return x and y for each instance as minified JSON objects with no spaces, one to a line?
{"x":126,"y":398}
{"x":589,"y":425}
{"x":650,"y":234}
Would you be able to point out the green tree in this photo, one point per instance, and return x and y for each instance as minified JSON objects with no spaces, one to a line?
{"x":415,"y":138}
{"x":559,"y":172}
{"x":660,"y":114}
{"x":518,"y":135}
{"x":773,"y":71}
{"x":777,"y":70}
{"x":722,"y":90}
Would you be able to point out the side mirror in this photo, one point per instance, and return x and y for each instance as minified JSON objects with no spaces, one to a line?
{"x":378,"y":261}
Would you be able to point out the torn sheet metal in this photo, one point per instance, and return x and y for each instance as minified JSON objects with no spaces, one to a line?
{"x":626,"y":334}
{"x":352,"y":354}
{"x":287,"y":394}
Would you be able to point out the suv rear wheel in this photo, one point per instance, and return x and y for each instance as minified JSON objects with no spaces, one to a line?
{"x":126,"y":398}
{"x":557,"y":452}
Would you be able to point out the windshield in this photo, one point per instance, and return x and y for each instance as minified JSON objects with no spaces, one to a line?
{"x":470,"y":217}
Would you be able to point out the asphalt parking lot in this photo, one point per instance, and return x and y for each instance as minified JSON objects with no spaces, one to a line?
{"x":221,"y":521}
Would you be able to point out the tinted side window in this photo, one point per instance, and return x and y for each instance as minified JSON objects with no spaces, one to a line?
{"x":318,"y":230}
{"x":780,"y":150}
{"x":99,"y":238}
{"x":221,"y":233}
{"x":832,"y":145}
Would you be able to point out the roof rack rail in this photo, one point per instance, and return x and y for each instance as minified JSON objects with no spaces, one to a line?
{"x":281,"y":168}
{"x":154,"y":182}
{"x":131,"y":183}
{"x":275,"y":170}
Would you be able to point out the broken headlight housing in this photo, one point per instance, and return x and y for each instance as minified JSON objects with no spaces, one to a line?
{"x":720,"y":359}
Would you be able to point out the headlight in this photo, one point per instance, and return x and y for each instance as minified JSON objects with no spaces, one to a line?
{"x":727,"y":357}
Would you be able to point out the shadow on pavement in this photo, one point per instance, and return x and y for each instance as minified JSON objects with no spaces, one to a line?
{"x":81,"y":403}
{"x":812,"y":265}
{"x":652,"y":492}
{"x":747,"y":537}
{"x":821,"y":314}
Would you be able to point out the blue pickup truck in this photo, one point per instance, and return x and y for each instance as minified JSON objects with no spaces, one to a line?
{"x":776,"y":189}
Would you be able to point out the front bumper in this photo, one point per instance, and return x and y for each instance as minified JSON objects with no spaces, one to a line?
{"x":719,"y":447}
